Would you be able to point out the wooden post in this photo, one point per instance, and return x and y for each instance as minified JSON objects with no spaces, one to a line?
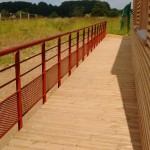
{"x":18,"y":89}
{"x":20,"y":15}
{"x":28,"y":16}
{"x":0,"y":16}
{"x":44,"y":72}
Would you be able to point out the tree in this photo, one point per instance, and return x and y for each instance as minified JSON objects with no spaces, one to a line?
{"x":42,"y":9}
{"x":78,"y":11}
{"x":32,"y":9}
{"x":54,"y":15}
{"x":113,"y":13}
{"x":5,"y":13}
{"x":76,"y":8}
{"x":97,"y":10}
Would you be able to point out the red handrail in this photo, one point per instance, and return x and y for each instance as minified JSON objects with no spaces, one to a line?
{"x":23,"y":99}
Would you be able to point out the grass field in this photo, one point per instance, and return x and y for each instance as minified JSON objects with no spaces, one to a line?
{"x":17,"y":32}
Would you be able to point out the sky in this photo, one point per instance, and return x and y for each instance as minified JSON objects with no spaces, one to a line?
{"x":120,"y":4}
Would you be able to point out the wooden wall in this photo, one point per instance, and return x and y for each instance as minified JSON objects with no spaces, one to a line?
{"x":141,"y":10}
{"x":148,"y":25}
{"x":141,"y":67}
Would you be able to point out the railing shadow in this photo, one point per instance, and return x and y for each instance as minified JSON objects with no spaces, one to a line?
{"x":122,"y":68}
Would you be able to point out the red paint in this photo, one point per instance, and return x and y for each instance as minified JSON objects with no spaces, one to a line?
{"x":83,"y":50}
{"x":77,"y":51}
{"x":88,"y":49}
{"x":70,"y":55}
{"x":94,"y":36}
{"x":59,"y":62}
{"x":44,"y":72}
{"x":18,"y":89}
{"x":92,"y":39}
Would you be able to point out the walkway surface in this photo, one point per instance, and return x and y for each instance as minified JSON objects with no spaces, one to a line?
{"x":95,"y":109}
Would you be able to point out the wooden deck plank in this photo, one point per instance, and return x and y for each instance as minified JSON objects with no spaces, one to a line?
{"x":95,"y":109}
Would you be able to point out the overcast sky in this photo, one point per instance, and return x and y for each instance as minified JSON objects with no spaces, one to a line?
{"x":113,"y":3}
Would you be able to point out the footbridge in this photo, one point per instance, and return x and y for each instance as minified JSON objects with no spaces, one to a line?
{"x":79,"y":92}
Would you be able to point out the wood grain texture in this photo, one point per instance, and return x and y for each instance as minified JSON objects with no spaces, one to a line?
{"x":95,"y":109}
{"x":148,"y":25}
{"x":141,"y":66}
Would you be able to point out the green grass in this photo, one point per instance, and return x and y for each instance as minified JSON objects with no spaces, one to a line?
{"x":17,"y":32}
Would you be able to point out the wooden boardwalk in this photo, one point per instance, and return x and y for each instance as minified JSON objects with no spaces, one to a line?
{"x":95,"y":109}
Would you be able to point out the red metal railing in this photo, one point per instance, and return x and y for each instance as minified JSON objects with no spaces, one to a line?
{"x":70,"y":49}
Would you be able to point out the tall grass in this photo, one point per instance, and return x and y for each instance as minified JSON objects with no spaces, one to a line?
{"x":15,"y":32}
{"x":21,"y":31}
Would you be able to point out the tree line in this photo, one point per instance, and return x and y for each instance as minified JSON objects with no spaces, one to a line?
{"x":78,"y":8}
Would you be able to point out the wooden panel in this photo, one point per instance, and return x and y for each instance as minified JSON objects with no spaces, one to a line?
{"x":148,"y":26}
{"x":134,"y":12}
{"x":138,"y":7}
{"x":141,"y":67}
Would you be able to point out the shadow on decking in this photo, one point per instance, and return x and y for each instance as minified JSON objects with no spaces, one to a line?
{"x":122,"y":68}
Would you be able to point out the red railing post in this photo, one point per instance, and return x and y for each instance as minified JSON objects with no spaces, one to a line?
{"x":94,"y":36}
{"x":101,"y":32}
{"x":88,"y":49}
{"x":59,"y":62}
{"x":18,"y":89}
{"x":83,"y":52}
{"x":92,"y":39}
{"x":70,"y":55}
{"x":44,"y":72}
{"x":77,"y":51}
{"x":105,"y":27}
{"x":97,"y":34}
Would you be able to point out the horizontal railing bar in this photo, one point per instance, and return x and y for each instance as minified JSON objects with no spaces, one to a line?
{"x":52,"y":67}
{"x":7,"y":68}
{"x":7,"y":83}
{"x":51,"y":58}
{"x":81,"y":35}
{"x":64,"y":50}
{"x":30,"y":82}
{"x":8,"y":98}
{"x":64,"y":42}
{"x":74,"y":45}
{"x":73,"y":38}
{"x":51,"y":48}
{"x":30,"y":70}
{"x":30,"y":58}
{"x":81,"y":41}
